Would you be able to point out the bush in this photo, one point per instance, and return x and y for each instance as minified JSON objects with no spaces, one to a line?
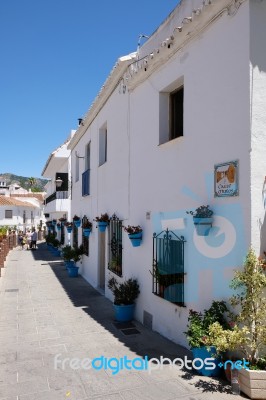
{"x":125,"y":293}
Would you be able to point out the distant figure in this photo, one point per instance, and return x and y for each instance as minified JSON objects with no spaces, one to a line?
{"x":33,"y":239}
{"x":20,"y":240}
{"x":28,"y":236}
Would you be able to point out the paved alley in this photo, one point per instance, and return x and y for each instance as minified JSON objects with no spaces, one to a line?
{"x":51,"y":324}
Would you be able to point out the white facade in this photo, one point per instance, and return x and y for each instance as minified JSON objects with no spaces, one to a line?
{"x":216,"y":53}
{"x":57,"y":201}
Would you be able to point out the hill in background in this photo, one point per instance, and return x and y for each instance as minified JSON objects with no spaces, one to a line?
{"x":24,"y":182}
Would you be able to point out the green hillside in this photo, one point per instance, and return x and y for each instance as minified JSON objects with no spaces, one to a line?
{"x":25,"y":182}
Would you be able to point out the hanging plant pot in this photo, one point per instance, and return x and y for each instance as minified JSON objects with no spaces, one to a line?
{"x":54,"y":222}
{"x":59,"y":227}
{"x":86,"y":232}
{"x":77,"y":223}
{"x":135,"y":239}
{"x":102,"y":226}
{"x":73,"y":271}
{"x":203,"y":225}
{"x":69,"y":229}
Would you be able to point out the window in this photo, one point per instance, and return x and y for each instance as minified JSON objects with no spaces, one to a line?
{"x":176,"y":114}
{"x":75,"y":235}
{"x":86,"y":173}
{"x":85,"y":239}
{"x":8,"y":214}
{"x":115,"y":245}
{"x":171,"y":112}
{"x":168,"y":267}
{"x":77,"y":169}
{"x":103,"y":145}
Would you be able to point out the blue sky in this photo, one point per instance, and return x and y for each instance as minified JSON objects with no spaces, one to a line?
{"x":55,"y":56}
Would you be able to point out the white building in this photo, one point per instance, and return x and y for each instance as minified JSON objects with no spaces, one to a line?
{"x":178,"y":125}
{"x":58,"y":189}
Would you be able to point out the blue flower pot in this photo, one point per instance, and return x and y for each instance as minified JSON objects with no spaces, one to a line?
{"x":59,"y":227}
{"x":124,"y":313}
{"x":102,"y":226}
{"x":69,"y":229}
{"x":201,"y":353}
{"x":77,"y":223}
{"x":86,"y":232}
{"x":70,"y":264}
{"x":73,"y":271}
{"x":56,"y":252}
{"x":135,"y":239}
{"x":202,"y":225}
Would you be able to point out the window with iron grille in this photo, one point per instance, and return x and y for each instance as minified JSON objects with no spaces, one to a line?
{"x":8,"y":214}
{"x":85,"y":239}
{"x":115,"y":245}
{"x":62,"y":230}
{"x":75,"y":235}
{"x":168,"y":267}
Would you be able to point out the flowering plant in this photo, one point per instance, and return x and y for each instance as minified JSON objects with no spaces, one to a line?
{"x":87,"y":224}
{"x":249,"y":333}
{"x":103,"y":218}
{"x":130,"y":229}
{"x":199,"y":323}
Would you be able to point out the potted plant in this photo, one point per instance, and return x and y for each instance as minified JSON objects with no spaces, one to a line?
{"x":202,"y":218}
{"x":198,"y":331}
{"x":87,"y":227}
{"x":102,"y":222}
{"x":67,"y":254}
{"x":75,"y":254}
{"x":249,"y":333}
{"x":125,"y":294}
{"x":69,"y":226}
{"x":134,"y":234}
{"x":77,"y":221}
{"x":58,"y":225}
{"x":62,"y":221}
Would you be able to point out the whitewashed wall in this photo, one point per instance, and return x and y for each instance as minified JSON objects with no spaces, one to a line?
{"x":258,"y":124}
{"x":141,"y":176}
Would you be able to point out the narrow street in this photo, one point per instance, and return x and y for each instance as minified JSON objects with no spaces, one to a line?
{"x":49,"y":325}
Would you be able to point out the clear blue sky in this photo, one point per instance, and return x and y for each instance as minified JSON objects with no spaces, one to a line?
{"x":54,"y":57}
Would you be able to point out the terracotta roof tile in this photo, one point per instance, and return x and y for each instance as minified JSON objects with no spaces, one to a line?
{"x":8,"y":201}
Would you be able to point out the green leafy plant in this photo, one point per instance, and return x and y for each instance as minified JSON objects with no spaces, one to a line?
{"x":125,"y":293}
{"x":199,"y":323}
{"x":77,"y":253}
{"x":201,"y":212}
{"x":67,"y":253}
{"x":249,"y":332}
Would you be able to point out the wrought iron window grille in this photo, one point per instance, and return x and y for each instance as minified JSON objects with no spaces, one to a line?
{"x":168,"y":267}
{"x":115,"y":245}
{"x":85,"y":239}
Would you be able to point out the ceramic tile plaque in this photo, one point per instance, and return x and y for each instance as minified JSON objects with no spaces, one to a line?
{"x":226,"y":179}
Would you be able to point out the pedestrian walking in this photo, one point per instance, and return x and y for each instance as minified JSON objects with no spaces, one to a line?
{"x":33,"y":239}
{"x":28,"y":236}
